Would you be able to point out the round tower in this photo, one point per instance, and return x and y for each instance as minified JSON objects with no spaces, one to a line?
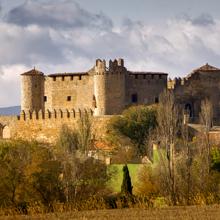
{"x":109,"y":87}
{"x":99,"y":87}
{"x":32,"y":91}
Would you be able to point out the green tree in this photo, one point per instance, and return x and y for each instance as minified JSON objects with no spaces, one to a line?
{"x":135,"y":123}
{"x":126,"y":187}
{"x":215,"y":159}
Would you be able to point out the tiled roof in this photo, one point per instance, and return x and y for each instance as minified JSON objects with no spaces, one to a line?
{"x":206,"y":67}
{"x":102,"y":145}
{"x":33,"y":72}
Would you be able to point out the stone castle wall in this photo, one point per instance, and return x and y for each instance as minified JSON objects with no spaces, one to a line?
{"x":147,"y":86}
{"x":46,"y":127}
{"x":66,"y":92}
{"x":198,"y":86}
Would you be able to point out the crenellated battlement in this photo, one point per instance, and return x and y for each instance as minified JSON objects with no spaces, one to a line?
{"x":58,"y":77}
{"x":57,"y":114}
{"x":114,"y":67}
{"x":176,"y":82}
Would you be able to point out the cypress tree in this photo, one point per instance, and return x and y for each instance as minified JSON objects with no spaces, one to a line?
{"x":126,"y":187}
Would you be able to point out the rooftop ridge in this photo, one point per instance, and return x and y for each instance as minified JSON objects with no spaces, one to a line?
{"x":206,"y":67}
{"x":68,"y":74}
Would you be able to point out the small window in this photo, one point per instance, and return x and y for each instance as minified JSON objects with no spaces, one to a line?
{"x":62,"y":78}
{"x":94,"y":102}
{"x":45,"y":98}
{"x":80,"y":77}
{"x":136,"y":76}
{"x":71,"y":78}
{"x":68,"y":98}
{"x":54,"y":78}
{"x":160,"y":76}
{"x":156,"y":100}
{"x":152,"y":76}
{"x":144,"y":77}
{"x":134,"y":98}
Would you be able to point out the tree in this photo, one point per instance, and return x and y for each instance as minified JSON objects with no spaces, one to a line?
{"x":168,"y":128}
{"x":84,"y":132}
{"x":14,"y":158}
{"x":126,"y":187}
{"x":68,"y":139}
{"x":47,"y":184}
{"x":147,"y":184}
{"x":215,"y":163}
{"x":206,"y":117}
{"x":135,"y":123}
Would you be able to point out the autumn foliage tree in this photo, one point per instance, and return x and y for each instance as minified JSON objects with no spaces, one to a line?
{"x":135,"y":123}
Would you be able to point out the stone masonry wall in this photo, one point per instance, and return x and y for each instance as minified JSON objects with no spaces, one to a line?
{"x":197,"y":87}
{"x":67,"y":92}
{"x":46,"y":128}
{"x":146,"y":86}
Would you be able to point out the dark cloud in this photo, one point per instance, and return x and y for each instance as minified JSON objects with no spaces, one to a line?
{"x":28,"y":46}
{"x":203,"y":20}
{"x":67,"y":14}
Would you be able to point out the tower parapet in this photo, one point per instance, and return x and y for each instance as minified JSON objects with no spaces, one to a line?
{"x":109,"y":87}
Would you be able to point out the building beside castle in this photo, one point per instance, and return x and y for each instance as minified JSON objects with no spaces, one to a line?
{"x":50,"y":101}
{"x":103,"y":90}
{"x":202,"y":83}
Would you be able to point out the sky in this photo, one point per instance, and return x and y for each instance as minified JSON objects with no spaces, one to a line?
{"x":172,"y":36}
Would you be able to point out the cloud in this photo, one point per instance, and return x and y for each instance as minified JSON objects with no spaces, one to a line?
{"x":64,"y":14}
{"x":10,"y":84}
{"x":27,"y":45}
{"x":64,"y":37}
{"x":203,"y":19}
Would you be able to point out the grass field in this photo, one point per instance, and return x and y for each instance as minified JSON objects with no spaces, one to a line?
{"x":116,"y":181}
{"x":171,"y":213}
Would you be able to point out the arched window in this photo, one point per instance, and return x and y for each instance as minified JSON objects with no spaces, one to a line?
{"x":188,"y":109}
{"x":94,"y":105}
{"x":6,"y":133}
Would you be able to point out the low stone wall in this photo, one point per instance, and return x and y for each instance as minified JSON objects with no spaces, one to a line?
{"x":46,"y":129}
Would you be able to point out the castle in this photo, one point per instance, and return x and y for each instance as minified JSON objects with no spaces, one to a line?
{"x":103,"y":90}
{"x":50,"y":101}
